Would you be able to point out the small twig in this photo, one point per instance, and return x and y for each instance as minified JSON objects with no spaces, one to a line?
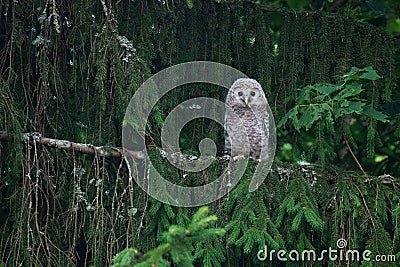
{"x":354,"y":156}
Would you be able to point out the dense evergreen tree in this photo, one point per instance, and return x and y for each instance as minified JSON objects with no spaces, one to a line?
{"x":69,"y":68}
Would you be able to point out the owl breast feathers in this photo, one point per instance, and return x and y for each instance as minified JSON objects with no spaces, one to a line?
{"x":246,"y":120}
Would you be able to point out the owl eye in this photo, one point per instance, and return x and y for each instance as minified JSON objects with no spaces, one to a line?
{"x":253,"y":93}
{"x":240,"y":93}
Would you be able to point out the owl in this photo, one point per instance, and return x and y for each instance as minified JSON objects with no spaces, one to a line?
{"x":246,"y":120}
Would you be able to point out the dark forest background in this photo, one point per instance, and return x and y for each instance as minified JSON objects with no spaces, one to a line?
{"x":329,"y":69}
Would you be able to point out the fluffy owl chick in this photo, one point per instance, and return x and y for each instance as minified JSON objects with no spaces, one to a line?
{"x":247,"y":120}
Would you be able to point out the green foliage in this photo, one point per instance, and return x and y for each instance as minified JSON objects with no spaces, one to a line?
{"x":324,"y":106}
{"x":251,"y":226}
{"x":298,"y":213}
{"x":189,"y":3}
{"x":178,"y":245}
{"x":69,"y":69}
{"x":330,"y":102}
{"x":210,"y":253}
{"x":296,"y":4}
{"x":127,"y":257}
{"x":298,"y":208}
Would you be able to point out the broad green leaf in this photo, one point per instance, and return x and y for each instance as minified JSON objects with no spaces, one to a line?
{"x":355,"y":107}
{"x":295,"y":121}
{"x":370,"y":74}
{"x":312,"y":114}
{"x":304,"y":96}
{"x":353,"y":72}
{"x":355,"y":88}
{"x":352,"y":89}
{"x":291,"y":114}
{"x":327,"y":88}
{"x":375,"y":114}
{"x":349,"y":108}
{"x":344,"y":103}
{"x":321,"y":98}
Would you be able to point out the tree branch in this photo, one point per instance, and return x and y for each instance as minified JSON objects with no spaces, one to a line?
{"x":354,"y":156}
{"x":104,"y":151}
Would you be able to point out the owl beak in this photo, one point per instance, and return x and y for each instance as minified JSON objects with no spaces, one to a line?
{"x":246,"y":100}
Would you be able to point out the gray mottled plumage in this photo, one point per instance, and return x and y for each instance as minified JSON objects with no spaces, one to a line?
{"x":249,"y":108}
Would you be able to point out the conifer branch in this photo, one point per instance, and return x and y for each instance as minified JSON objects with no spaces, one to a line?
{"x":279,"y":10}
{"x":179,"y":159}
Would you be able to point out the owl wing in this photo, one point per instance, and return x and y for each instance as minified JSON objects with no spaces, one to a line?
{"x":227,"y":130}
{"x":266,"y":125}
{"x":266,"y":135}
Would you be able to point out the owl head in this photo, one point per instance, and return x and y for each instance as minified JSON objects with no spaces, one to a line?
{"x":246,"y":92}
